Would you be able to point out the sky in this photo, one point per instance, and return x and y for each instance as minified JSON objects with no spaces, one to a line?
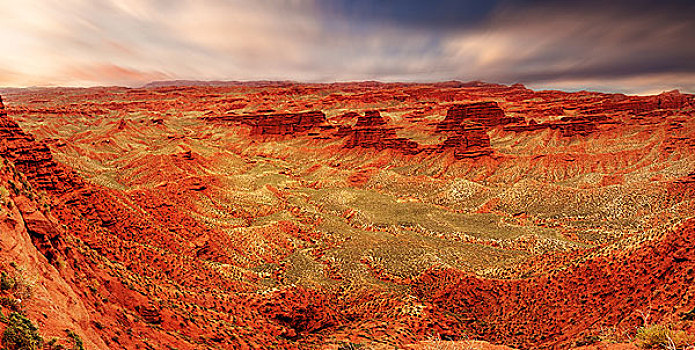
{"x":635,"y":46}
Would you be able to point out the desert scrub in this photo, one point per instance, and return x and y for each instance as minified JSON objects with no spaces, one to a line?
{"x":19,"y":284}
{"x":77,"y":343}
{"x":661,"y":336}
{"x":4,"y":194}
{"x":10,"y":303}
{"x":21,"y":334}
{"x":6,"y":282}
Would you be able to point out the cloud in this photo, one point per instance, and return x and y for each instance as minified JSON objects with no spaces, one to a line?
{"x":112,"y":73}
{"x":434,"y":14}
{"x":106,"y":42}
{"x":570,"y":43}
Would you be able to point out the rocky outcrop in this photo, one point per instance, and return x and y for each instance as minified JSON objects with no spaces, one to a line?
{"x":468,"y":142}
{"x":278,"y":124}
{"x":466,"y":125}
{"x":370,"y":119}
{"x":371,"y":131}
{"x":642,"y":104}
{"x":568,"y":126}
{"x":299,"y":311}
{"x":27,"y":234}
{"x":487,"y":114}
{"x":32,"y":158}
{"x":674,"y":100}
{"x":150,"y":313}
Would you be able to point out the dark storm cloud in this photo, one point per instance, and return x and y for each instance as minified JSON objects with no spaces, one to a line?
{"x":545,"y":41}
{"x":596,"y":40}
{"x":432,"y":15}
{"x":602,"y":38}
{"x":462,"y":14}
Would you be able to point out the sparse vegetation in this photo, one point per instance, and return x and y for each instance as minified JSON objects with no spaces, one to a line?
{"x":609,"y":335}
{"x":4,"y":196}
{"x":6,"y":282}
{"x":76,"y":340}
{"x":18,"y":284}
{"x":437,"y":343}
{"x":660,"y":336}
{"x":350,"y":346}
{"x":53,"y":344}
{"x":21,"y":334}
{"x":9,"y":302}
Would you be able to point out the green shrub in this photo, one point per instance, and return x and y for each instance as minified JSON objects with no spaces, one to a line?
{"x":4,"y":195}
{"x":53,"y":345}
{"x":10,"y":303}
{"x":21,"y":334}
{"x":76,"y":340}
{"x":6,"y":282}
{"x":20,"y":285}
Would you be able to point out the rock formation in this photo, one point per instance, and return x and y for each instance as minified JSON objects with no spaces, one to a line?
{"x":30,"y":157}
{"x":469,"y":141}
{"x":488,"y":114}
{"x":568,"y":126}
{"x":465,"y":126}
{"x":642,"y":104}
{"x":280,"y":124}
{"x":371,"y":131}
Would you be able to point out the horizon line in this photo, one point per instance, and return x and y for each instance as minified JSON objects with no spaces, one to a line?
{"x":154,"y":84}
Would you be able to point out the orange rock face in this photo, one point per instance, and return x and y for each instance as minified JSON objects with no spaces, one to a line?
{"x":568,"y":126}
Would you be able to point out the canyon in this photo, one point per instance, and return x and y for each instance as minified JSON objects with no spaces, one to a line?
{"x":347,"y":215}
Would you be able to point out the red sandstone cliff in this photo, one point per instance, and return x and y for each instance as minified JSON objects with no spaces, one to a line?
{"x":371,"y":131}
{"x":488,"y":114}
{"x":469,"y":141}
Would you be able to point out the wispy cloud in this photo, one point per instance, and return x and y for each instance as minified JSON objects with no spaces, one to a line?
{"x":542,"y":43}
{"x":551,"y":43}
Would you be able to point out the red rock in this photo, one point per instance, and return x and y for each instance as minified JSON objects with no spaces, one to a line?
{"x":371,"y":132}
{"x":30,"y":157}
{"x":150,"y":313}
{"x":642,"y":104}
{"x":370,"y":119}
{"x":488,"y":114}
{"x":145,"y":266}
{"x":568,"y":126}
{"x":468,"y":142}
{"x":275,"y":124}
{"x":299,"y":309}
